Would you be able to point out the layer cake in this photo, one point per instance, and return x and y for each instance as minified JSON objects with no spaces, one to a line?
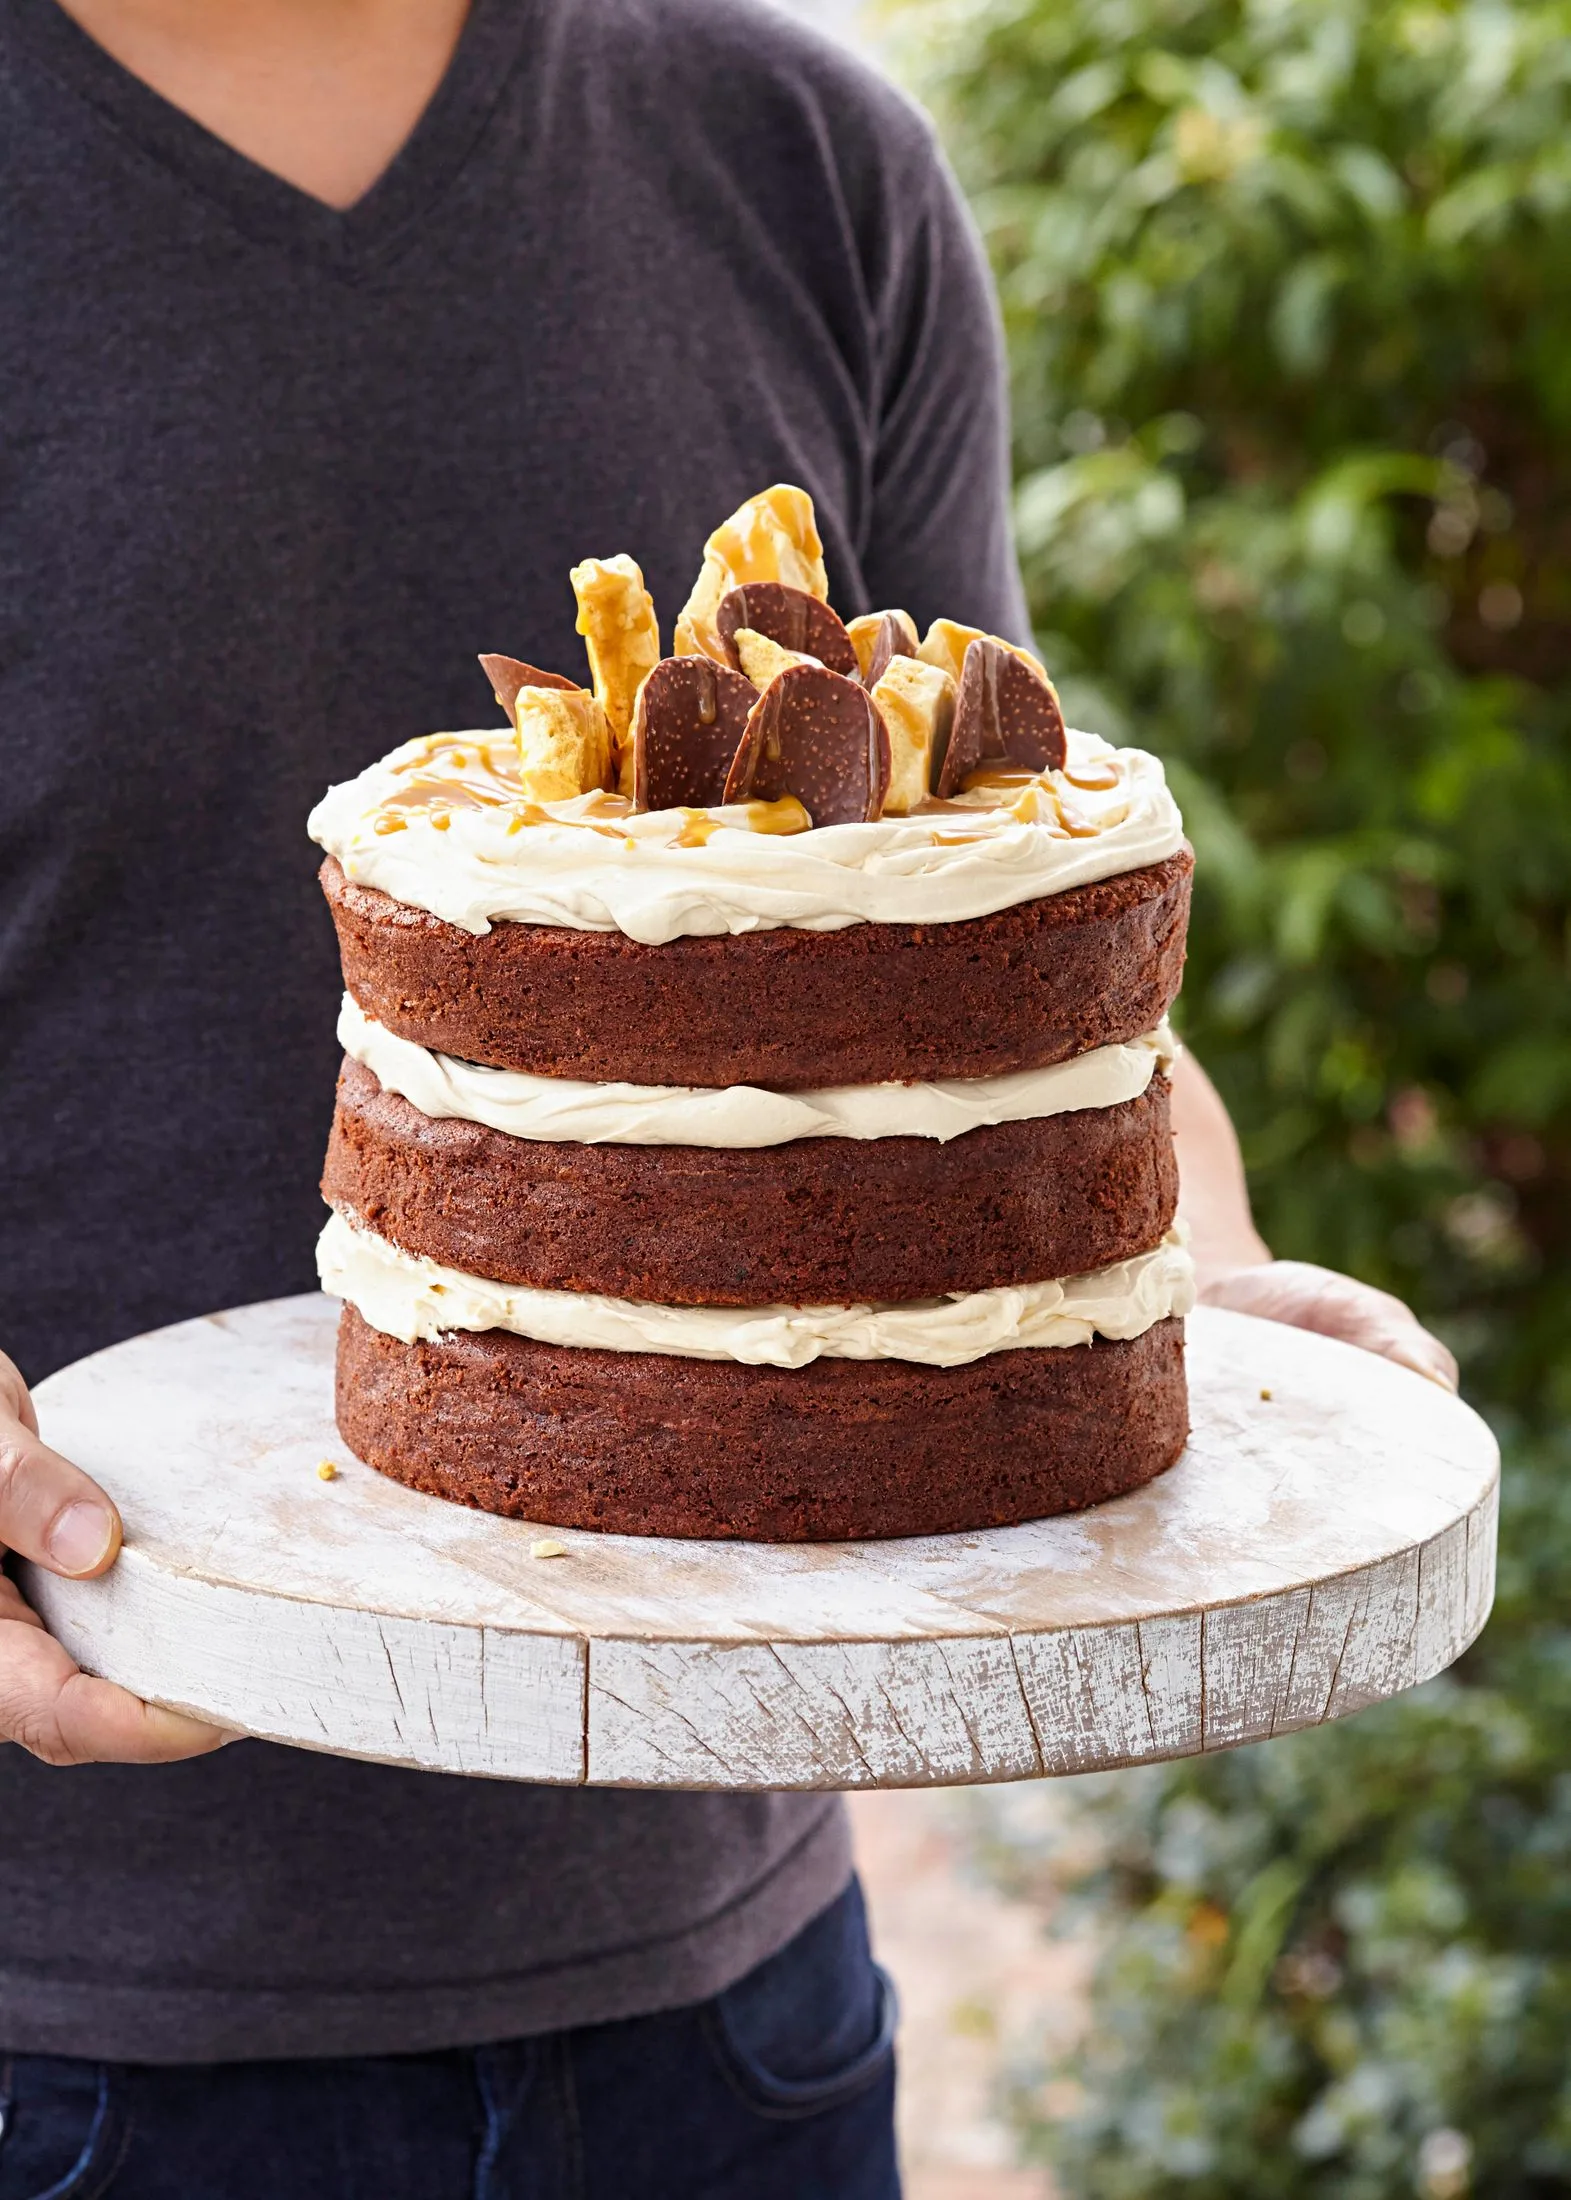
{"x":754,"y":1118}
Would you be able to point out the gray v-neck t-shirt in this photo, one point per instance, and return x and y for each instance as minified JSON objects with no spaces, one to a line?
{"x":270,"y":476}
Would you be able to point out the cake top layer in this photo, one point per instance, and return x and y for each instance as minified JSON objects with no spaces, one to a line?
{"x":779,"y":768}
{"x":442,"y":824}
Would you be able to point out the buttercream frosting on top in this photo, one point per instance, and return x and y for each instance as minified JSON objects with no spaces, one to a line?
{"x":441,"y":824}
{"x":564,"y":1110}
{"x":409,"y":1296}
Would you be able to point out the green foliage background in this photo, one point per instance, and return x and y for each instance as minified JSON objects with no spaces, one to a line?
{"x":1286,"y":285}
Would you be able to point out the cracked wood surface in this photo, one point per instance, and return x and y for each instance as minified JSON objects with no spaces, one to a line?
{"x":1326,"y":1540}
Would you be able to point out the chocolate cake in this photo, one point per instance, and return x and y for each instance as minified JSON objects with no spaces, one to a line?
{"x":755,"y":1111}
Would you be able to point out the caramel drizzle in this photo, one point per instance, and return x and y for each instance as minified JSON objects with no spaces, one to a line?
{"x":698,"y":829}
{"x":531,"y":813}
{"x":1026,"y":798}
{"x":1095,"y":779}
{"x":442,"y":775}
{"x":783,"y":816}
{"x":1000,"y":776}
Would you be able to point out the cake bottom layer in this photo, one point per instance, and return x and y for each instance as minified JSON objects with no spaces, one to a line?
{"x":642,"y":1443}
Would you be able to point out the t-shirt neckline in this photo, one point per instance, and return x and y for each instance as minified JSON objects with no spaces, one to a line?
{"x":266,"y":206}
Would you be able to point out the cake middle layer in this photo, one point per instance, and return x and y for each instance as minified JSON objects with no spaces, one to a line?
{"x":808,"y":1222}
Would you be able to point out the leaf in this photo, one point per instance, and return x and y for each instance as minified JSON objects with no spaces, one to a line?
{"x":1301,"y":321}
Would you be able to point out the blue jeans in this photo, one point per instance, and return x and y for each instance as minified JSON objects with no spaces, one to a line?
{"x":781,"y":2088}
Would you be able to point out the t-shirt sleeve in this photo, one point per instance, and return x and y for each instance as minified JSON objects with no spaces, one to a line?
{"x":939,"y":540}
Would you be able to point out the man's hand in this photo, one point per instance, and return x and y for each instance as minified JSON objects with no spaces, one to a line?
{"x":52,"y":1513}
{"x":1296,"y":1292}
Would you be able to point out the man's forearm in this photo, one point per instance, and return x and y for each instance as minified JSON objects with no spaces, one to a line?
{"x":1233,"y":1263}
{"x":1213,"y":1195}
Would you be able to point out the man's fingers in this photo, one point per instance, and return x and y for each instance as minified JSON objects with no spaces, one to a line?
{"x":14,"y":1399}
{"x":64,"y":1716}
{"x":1411,"y":1345}
{"x":1307,"y":1297}
{"x":98,"y":1723}
{"x":51,"y":1511}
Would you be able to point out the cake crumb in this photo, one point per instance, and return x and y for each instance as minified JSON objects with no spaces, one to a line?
{"x":1266,"y":1395}
{"x":546,"y":1546}
{"x":327,"y":1471}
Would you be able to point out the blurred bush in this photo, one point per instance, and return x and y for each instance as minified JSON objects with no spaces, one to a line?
{"x":1288,"y":294}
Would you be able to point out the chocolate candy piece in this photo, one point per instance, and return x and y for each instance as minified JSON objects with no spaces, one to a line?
{"x":507,"y":675}
{"x":691,"y":715}
{"x":814,"y":734}
{"x":1005,"y":713}
{"x":789,"y":616}
{"x":896,"y":637}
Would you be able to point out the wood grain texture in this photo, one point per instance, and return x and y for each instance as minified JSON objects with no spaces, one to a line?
{"x":1326,"y":1541}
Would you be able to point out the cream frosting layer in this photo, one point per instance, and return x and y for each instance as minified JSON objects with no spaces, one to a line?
{"x":408,"y":1296}
{"x":484,"y":856}
{"x":561,"y":1110}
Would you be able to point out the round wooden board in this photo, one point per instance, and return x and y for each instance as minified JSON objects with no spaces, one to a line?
{"x":1326,"y":1540}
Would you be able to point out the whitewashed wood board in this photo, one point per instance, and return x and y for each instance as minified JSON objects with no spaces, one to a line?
{"x":1326,"y":1540}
